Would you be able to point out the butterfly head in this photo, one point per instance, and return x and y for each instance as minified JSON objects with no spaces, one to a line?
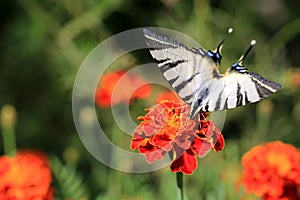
{"x":215,"y":55}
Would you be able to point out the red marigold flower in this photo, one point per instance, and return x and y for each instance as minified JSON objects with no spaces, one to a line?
{"x":166,"y":128}
{"x":107,"y":87}
{"x":27,"y":176}
{"x":169,"y":95}
{"x":272,"y":171}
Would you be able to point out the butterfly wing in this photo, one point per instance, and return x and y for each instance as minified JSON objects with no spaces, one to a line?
{"x":196,"y":79}
{"x":184,"y":68}
{"x":238,"y":89}
{"x":243,"y":88}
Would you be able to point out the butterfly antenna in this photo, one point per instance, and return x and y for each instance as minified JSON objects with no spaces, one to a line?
{"x":252,"y":43}
{"x":238,"y":66}
{"x":220,"y":46}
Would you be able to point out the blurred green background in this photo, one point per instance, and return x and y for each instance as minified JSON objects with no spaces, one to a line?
{"x":44,"y":42}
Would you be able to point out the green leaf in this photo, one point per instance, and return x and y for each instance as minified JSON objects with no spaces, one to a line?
{"x":68,"y":184}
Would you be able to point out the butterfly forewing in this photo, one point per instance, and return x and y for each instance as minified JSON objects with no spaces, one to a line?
{"x":185,"y":69}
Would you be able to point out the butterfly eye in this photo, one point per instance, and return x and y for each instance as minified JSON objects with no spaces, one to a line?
{"x":215,"y":56}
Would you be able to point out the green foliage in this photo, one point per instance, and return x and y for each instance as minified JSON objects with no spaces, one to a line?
{"x":69,"y":184}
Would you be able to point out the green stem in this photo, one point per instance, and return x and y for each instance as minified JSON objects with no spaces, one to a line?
{"x":179,"y":180}
{"x":8,"y":121}
{"x":9,"y":140}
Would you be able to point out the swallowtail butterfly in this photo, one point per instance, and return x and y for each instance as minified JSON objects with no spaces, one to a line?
{"x":194,"y":75}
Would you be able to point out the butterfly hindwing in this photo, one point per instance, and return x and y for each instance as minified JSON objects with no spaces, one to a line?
{"x":241,"y":89}
{"x":233,"y":90}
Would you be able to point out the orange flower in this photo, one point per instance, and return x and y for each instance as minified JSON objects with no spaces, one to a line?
{"x":169,"y":95}
{"x":166,"y":128}
{"x":122,"y":93}
{"x":26,"y":176}
{"x":272,"y":171}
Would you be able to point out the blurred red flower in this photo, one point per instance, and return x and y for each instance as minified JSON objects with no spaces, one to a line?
{"x":166,"y":128}
{"x":124,"y":92}
{"x":27,"y":176}
{"x":169,"y":95}
{"x":272,"y":171}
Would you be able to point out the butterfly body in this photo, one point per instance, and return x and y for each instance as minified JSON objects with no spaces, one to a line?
{"x":194,"y":75}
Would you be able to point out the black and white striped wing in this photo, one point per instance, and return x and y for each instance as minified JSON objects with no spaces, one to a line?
{"x":238,"y":89}
{"x":185,"y":69}
{"x":196,"y":79}
{"x":246,"y":88}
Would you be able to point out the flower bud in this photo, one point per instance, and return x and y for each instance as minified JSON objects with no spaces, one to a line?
{"x":8,"y":116}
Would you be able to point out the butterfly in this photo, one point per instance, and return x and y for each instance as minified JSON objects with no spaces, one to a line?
{"x":193,"y":73}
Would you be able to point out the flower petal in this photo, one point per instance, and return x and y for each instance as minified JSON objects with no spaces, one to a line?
{"x":164,"y":141}
{"x":146,"y":147}
{"x":171,"y":96}
{"x":155,"y":155}
{"x":200,"y":147}
{"x":137,"y":140}
{"x":109,"y":85}
{"x":186,"y":163}
{"x":184,"y":141}
{"x":218,"y":140}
